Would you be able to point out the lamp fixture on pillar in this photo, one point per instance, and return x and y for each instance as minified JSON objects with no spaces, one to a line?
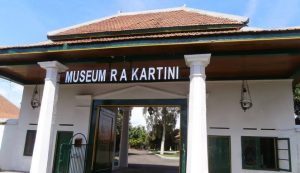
{"x":246,"y":101}
{"x":35,"y":100}
{"x":150,"y":110}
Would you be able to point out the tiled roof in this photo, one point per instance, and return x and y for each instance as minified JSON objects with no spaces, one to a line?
{"x":7,"y":109}
{"x":156,"y":19}
{"x":152,"y":36}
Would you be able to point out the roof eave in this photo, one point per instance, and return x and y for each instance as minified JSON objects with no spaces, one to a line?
{"x":216,"y":38}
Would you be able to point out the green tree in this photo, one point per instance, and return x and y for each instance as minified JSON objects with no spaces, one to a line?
{"x":137,"y":137}
{"x":164,"y":116}
{"x":297,"y":102}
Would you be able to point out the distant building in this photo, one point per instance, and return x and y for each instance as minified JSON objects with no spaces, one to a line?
{"x":9,"y":113}
{"x":8,"y":110}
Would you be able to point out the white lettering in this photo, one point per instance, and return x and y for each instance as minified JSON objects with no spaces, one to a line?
{"x":95,"y":75}
{"x":143,"y":74}
{"x":151,"y":73}
{"x":123,"y":75}
{"x":102,"y":75}
{"x":177,"y":72}
{"x":159,"y":69}
{"x":76,"y":76}
{"x":171,"y":73}
{"x":137,"y":74}
{"x":113,"y":75}
{"x":165,"y":73}
{"x":82,"y":76}
{"x":134,"y":74}
{"x":69,"y":77}
{"x":88,"y":76}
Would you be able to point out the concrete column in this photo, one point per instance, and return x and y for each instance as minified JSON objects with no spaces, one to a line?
{"x":124,"y":138}
{"x":42,"y":147}
{"x":197,"y":154}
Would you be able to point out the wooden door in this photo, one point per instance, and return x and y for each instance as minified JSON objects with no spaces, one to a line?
{"x":219,"y":154}
{"x":105,"y":142}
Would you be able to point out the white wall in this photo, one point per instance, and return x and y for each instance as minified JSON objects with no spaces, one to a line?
{"x":272,"y":108}
{"x":7,"y":146}
{"x":1,"y":135}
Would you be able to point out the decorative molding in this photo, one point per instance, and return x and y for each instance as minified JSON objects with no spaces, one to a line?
{"x":197,"y":59}
{"x":53,"y":64}
{"x":136,"y":91}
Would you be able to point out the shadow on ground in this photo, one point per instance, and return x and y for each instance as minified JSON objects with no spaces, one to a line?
{"x":139,"y":168}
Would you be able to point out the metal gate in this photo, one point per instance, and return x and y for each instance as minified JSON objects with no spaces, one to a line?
{"x":72,"y":155}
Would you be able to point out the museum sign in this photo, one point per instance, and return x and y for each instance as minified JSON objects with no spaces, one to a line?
{"x":122,"y":75}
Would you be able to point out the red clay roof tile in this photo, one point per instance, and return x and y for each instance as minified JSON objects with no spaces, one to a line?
{"x":180,"y":17}
{"x":7,"y":109}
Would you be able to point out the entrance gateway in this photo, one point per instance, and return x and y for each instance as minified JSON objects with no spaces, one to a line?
{"x":237,"y":54}
{"x":100,"y":153}
{"x":103,"y":119}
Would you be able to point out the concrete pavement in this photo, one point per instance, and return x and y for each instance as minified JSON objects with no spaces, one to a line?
{"x":141,"y":161}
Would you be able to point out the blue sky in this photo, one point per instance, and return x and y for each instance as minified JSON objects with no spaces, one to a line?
{"x":28,"y":21}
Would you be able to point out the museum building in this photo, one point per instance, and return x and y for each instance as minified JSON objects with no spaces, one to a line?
{"x":233,"y":84}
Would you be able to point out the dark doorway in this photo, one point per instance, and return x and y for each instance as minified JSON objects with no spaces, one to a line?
{"x":219,"y":154}
{"x":93,"y":149}
{"x":62,"y":137}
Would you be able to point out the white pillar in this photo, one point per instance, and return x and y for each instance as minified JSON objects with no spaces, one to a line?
{"x":197,"y":150}
{"x":42,"y":146}
{"x":124,"y":139}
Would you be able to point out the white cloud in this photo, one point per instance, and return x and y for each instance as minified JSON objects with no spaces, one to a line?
{"x":137,"y":117}
{"x":251,"y":8}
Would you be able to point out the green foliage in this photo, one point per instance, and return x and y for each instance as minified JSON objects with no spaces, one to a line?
{"x":297,"y":99}
{"x":161,"y":116}
{"x":137,"y":137}
{"x":159,"y":119}
{"x":297,"y":103}
{"x":297,"y":92}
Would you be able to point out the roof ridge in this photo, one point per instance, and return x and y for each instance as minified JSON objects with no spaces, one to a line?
{"x":204,"y":12}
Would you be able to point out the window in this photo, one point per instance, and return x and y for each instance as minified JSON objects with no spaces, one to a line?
{"x":266,"y":153}
{"x":29,"y":142}
{"x":297,"y":120}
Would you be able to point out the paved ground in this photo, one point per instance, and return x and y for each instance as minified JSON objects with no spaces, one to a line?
{"x":144,"y":162}
{"x":141,"y":161}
